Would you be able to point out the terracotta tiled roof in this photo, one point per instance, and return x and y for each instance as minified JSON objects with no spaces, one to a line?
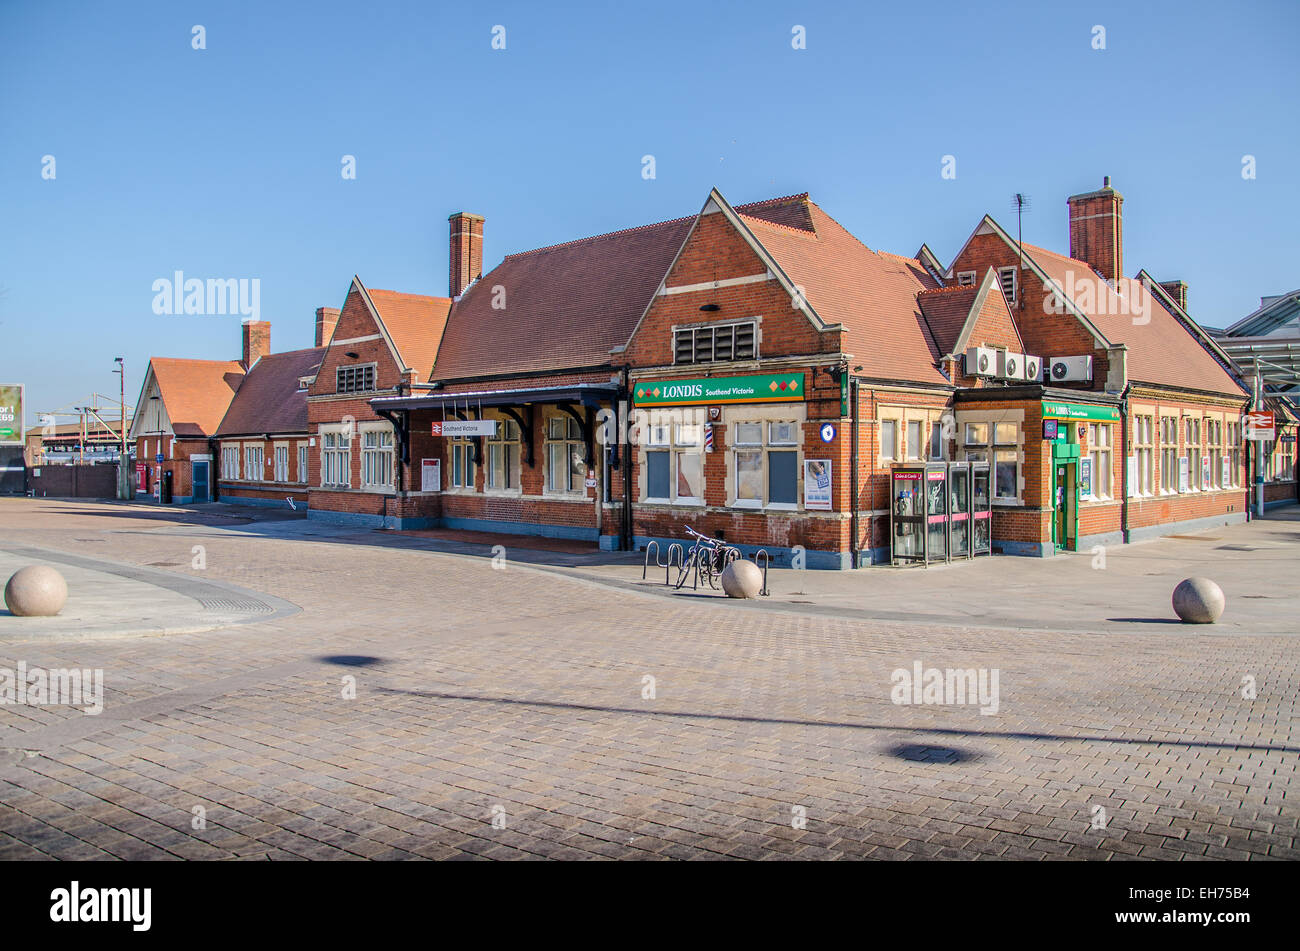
{"x":1160,"y":350}
{"x":196,"y":393}
{"x":415,"y":322}
{"x":565,"y":306}
{"x":269,"y":400}
{"x":946,"y":310}
{"x":872,"y":294}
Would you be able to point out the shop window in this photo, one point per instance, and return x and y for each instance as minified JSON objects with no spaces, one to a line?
{"x":1144,"y":454}
{"x":767,"y":465}
{"x":354,"y":379}
{"x":302,"y":463}
{"x":1169,"y":455}
{"x":282,"y":463}
{"x":710,"y":344}
{"x":888,"y":440}
{"x":377,"y":458}
{"x":253,"y":462}
{"x":998,"y":444}
{"x":462,"y":462}
{"x":1100,"y":452}
{"x":230,"y":462}
{"x":675,"y":463}
{"x":335,"y":460}
{"x":566,"y":455}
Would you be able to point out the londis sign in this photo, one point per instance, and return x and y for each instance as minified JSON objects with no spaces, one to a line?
{"x":771,"y":388}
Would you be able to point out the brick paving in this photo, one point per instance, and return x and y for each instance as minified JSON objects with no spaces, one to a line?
{"x":520,"y":695}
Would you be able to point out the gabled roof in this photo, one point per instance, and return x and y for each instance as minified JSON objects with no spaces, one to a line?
{"x":952,"y":313}
{"x":195,"y":393}
{"x":1161,"y":350}
{"x":871,"y":295}
{"x":414,"y":323}
{"x":269,"y":400}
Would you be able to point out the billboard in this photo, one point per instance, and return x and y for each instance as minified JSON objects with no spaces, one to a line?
{"x":11,"y":414}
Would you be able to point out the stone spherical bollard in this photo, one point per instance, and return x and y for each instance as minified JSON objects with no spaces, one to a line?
{"x":1198,"y":601}
{"x":742,"y":579}
{"x":36,"y":591}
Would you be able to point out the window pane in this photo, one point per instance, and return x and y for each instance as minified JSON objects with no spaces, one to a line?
{"x":577,"y":466}
{"x":936,"y":440}
{"x":782,"y":477}
{"x":690,"y":475}
{"x":977,"y":434}
{"x":659,"y":434}
{"x":888,"y":439}
{"x":688,"y":435}
{"x":749,"y":434}
{"x":554,"y":464}
{"x":1005,"y":482}
{"x":1004,"y":434}
{"x":781,"y":434}
{"x":749,"y":475}
{"x":656,"y":482}
{"x":914,"y":439}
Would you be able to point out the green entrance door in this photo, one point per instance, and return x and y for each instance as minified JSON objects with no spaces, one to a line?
{"x":1065,"y":496}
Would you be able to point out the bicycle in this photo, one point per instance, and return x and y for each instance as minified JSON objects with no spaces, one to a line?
{"x":707,"y":558}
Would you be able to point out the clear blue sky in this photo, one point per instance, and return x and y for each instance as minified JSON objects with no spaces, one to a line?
{"x":225,"y":162}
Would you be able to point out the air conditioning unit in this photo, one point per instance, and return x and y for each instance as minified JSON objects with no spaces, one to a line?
{"x":1033,"y":368}
{"x":981,"y":361}
{"x":1063,"y":369}
{"x":1011,"y":366}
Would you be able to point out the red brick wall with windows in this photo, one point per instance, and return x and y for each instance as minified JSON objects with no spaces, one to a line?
{"x":267,"y":488}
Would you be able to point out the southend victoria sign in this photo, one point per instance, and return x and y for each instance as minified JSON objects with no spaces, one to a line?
{"x":770,"y":388}
{"x":11,"y":414}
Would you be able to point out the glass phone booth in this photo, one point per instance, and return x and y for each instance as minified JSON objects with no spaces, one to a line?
{"x":981,"y":516}
{"x":959,"y":510}
{"x":918,"y":514}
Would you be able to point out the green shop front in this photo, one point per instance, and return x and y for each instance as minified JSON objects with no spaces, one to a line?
{"x":1071,"y":476}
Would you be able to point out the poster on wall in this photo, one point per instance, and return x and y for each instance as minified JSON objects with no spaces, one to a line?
{"x":817,"y":484}
{"x":1205,"y":472}
{"x":1184,"y":475}
{"x":11,"y":414}
{"x":430,"y":475}
{"x":1132,"y":475}
{"x":1227,"y":473}
{"x":1085,"y":478}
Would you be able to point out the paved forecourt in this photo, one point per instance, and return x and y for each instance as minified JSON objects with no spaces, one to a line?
{"x":431,"y":705}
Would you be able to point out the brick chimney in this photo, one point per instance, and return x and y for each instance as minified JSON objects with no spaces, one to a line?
{"x":466,"y":251}
{"x":1097,"y":230}
{"x":257,"y":341}
{"x":326,"y":318}
{"x":1177,"y":290}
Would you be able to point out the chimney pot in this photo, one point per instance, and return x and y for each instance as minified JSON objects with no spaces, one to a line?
{"x":1105,"y":182}
{"x":466,"y":251}
{"x":257,"y":341}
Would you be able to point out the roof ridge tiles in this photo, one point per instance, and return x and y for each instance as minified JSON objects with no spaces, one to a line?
{"x":803,"y":232}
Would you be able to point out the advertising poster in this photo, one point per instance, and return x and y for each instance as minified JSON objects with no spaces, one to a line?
{"x":817,"y":484}
{"x":11,"y":414}
{"x":1085,"y":477}
{"x":1184,"y":475}
{"x":1205,"y":472}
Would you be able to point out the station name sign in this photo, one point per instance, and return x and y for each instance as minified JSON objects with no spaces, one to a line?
{"x":1053,"y":409}
{"x":465,"y":427}
{"x":11,"y":414}
{"x":771,"y":388}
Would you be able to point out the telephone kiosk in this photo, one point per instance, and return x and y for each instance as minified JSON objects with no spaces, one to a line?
{"x":940,"y":512}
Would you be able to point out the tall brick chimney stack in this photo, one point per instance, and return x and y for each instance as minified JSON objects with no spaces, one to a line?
{"x":257,"y":341}
{"x":466,"y":251}
{"x":1097,"y":230}
{"x":326,"y":318}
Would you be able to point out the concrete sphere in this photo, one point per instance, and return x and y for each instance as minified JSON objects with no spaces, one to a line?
{"x":742,"y":579}
{"x":1198,"y":601}
{"x":36,"y":591}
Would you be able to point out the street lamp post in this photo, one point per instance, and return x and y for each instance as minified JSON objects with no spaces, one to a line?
{"x":123,"y":476}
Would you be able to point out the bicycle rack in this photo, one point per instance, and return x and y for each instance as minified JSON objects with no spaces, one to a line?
{"x":767,"y":560}
{"x":646,"y":566}
{"x":681,"y":559}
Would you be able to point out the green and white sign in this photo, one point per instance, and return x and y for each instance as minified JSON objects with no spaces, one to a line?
{"x":1053,"y":409}
{"x":771,"y":388}
{"x":11,"y":414}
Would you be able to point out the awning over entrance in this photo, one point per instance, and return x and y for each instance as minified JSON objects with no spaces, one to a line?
{"x":584,"y":394}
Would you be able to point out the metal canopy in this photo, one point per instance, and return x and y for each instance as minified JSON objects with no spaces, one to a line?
{"x":1275,"y":359}
{"x":587,"y":394}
